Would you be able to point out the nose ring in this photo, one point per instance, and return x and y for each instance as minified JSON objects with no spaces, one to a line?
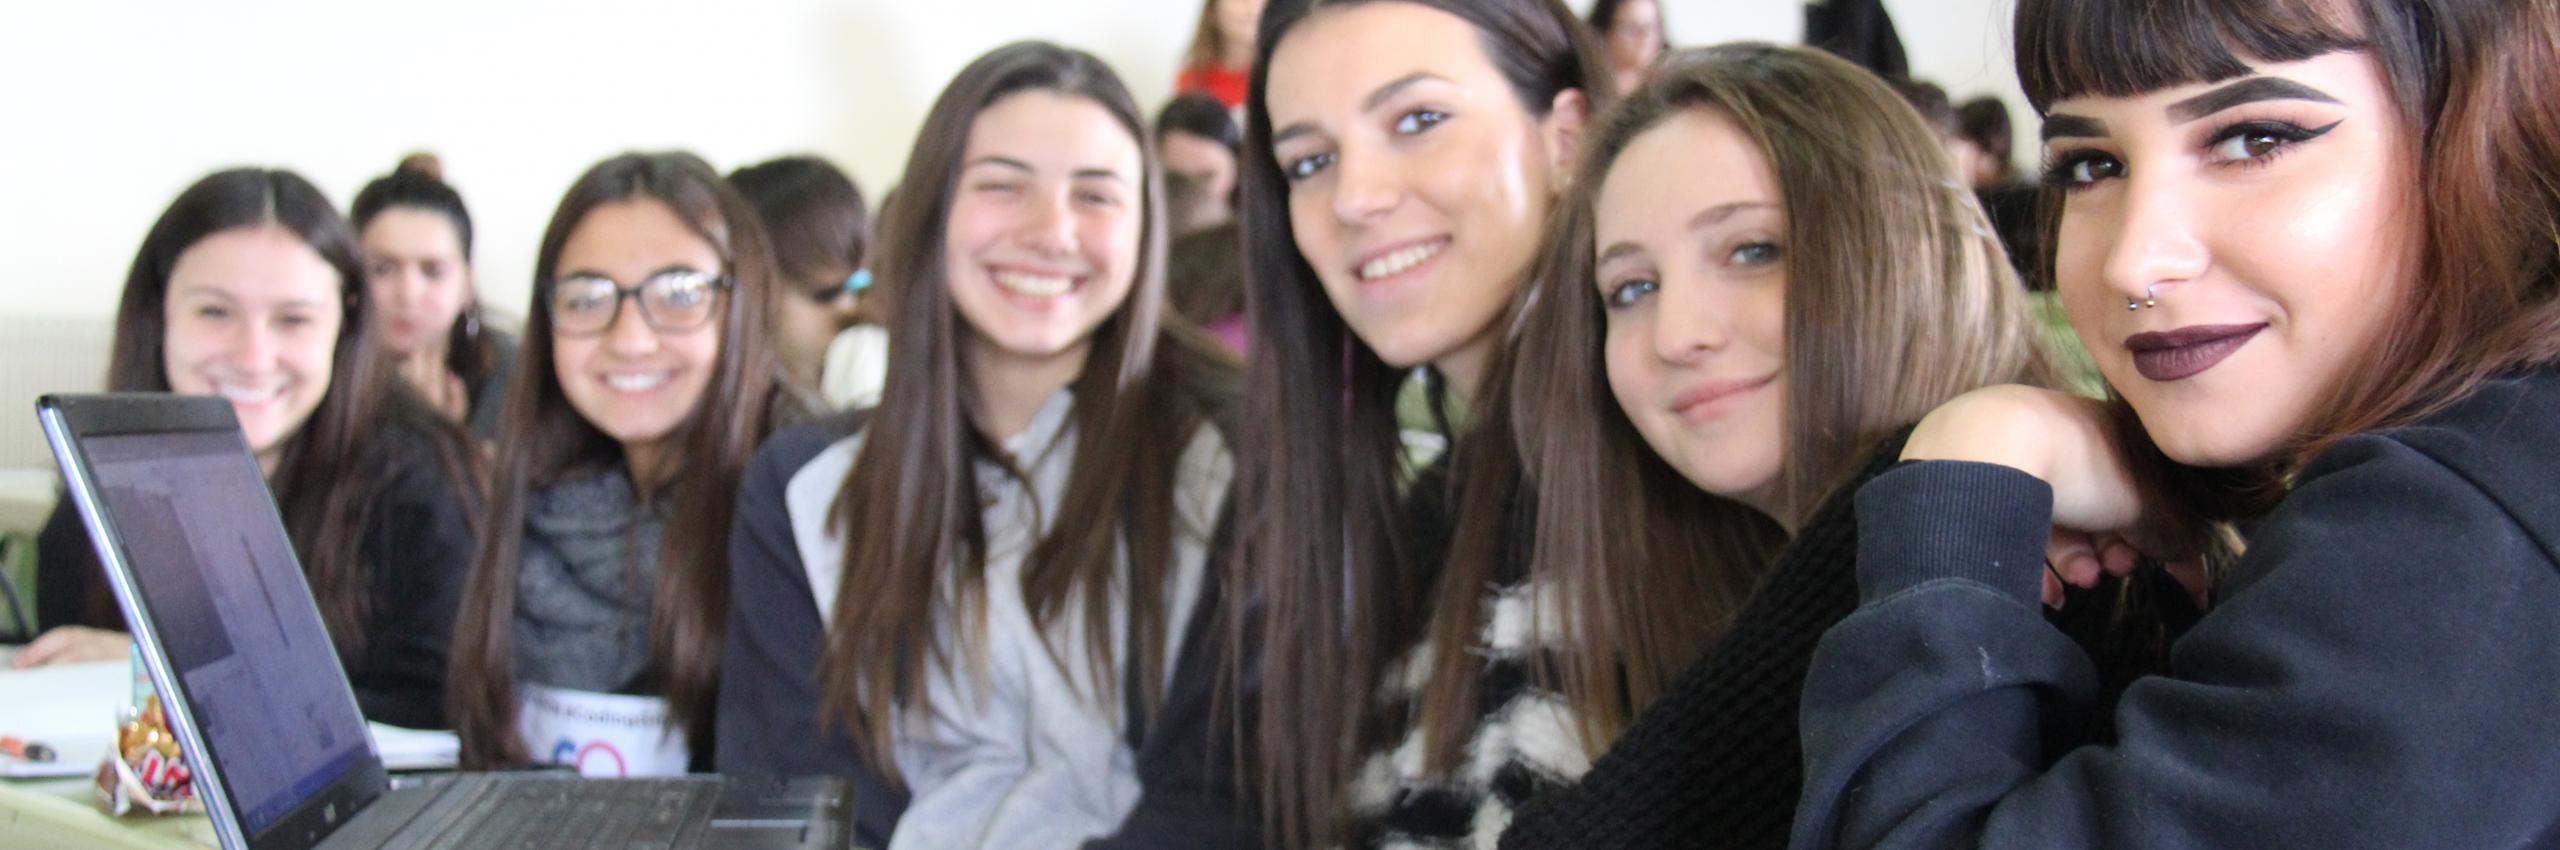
{"x":2150,"y":298}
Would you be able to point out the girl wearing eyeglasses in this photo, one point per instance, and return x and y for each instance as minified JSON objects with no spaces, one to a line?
{"x":982,"y":596}
{"x":602,"y":586}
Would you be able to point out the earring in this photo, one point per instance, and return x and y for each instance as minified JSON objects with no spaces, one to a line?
{"x":471,"y":322}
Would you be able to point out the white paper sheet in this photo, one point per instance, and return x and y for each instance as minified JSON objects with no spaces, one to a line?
{"x":72,"y":708}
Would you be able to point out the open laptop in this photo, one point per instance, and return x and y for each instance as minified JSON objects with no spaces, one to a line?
{"x":198,"y":558}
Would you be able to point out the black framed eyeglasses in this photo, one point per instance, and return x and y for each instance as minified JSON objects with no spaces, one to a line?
{"x":671,"y":301}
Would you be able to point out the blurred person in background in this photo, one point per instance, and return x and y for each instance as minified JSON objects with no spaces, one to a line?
{"x":1221,"y":56}
{"x":821,"y":233}
{"x":1633,"y":33}
{"x":416,"y":235}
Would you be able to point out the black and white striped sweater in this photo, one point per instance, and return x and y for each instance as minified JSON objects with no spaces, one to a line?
{"x":1526,"y":739}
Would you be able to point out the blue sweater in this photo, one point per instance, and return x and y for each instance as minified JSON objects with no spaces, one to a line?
{"x":2379,"y":672}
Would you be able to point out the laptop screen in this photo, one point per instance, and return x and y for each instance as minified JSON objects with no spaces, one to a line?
{"x":228,"y":599}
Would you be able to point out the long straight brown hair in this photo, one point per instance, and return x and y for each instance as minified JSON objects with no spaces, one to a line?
{"x":1208,"y":43}
{"x":2473,"y":81}
{"x":1327,"y":587}
{"x":908,"y":509}
{"x":543,"y":440}
{"x":331,"y":469}
{"x":1896,"y":302}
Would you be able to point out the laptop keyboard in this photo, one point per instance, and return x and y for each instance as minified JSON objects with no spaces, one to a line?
{"x":567,"y":814}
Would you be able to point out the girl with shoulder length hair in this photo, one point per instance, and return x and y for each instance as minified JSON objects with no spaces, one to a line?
{"x":981,"y":595}
{"x":1724,"y":353}
{"x":645,"y":385}
{"x":1400,"y":161}
{"x":248,"y":287}
{"x":2311,"y":247}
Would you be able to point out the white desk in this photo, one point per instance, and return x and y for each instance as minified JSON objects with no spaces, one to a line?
{"x":73,"y":708}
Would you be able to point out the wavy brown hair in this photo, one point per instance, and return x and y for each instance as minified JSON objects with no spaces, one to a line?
{"x":1894,"y":305}
{"x":2473,"y":80}
{"x":542,"y":440}
{"x":909,"y":508}
{"x":1328,"y":586}
{"x":332,"y":468}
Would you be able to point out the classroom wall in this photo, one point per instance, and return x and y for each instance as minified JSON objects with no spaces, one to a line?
{"x":109,"y":107}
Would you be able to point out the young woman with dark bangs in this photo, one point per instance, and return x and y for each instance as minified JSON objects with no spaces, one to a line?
{"x":982,"y":597}
{"x":1400,"y":161}
{"x":602,"y":582}
{"x":2315,"y":249}
{"x":1722,"y":353}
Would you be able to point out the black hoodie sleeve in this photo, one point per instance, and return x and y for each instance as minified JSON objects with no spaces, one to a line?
{"x":2379,"y":673}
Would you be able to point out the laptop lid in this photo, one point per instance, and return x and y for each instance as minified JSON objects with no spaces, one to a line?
{"x":197,"y":555}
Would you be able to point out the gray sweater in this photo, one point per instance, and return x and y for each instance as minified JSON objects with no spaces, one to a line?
{"x":582,"y":597}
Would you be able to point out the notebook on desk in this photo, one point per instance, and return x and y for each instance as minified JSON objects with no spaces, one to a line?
{"x":197,"y":556}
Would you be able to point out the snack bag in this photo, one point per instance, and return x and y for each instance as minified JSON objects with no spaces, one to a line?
{"x":147,"y":771}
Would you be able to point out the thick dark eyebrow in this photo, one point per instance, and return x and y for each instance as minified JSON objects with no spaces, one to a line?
{"x":1105,"y":173}
{"x":1389,"y":91}
{"x":1375,"y":99}
{"x":592,"y":273}
{"x":2067,"y":126}
{"x":2250,"y":90}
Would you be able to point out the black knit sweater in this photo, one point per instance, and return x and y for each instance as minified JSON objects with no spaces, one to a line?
{"x":1717,"y":762}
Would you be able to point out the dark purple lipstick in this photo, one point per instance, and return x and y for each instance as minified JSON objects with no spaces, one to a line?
{"x":2176,"y":355}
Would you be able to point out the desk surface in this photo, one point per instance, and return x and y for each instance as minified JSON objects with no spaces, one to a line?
{"x":72,"y":707}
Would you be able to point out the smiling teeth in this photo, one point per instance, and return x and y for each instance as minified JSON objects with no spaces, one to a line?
{"x":247,"y":395}
{"x":636,"y":383}
{"x":1036,"y":286}
{"x":1396,"y":263}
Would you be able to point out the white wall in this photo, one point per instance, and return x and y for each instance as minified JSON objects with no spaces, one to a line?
{"x":109,"y":107}
{"x":1962,"y":45}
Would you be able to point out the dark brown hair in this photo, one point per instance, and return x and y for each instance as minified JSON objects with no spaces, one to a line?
{"x":1327,"y":588}
{"x":543,"y":440}
{"x":331,"y":469}
{"x":1893,"y":306}
{"x":2472,"y":80}
{"x":813,"y":214}
{"x":1604,"y":19}
{"x":1984,"y":121}
{"x":418,"y":183}
{"x":1205,"y":271}
{"x":909,"y":509}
